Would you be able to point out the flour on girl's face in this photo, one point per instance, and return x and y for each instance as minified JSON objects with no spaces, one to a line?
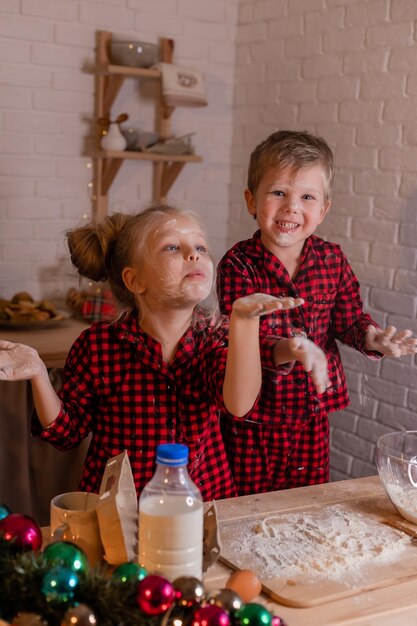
{"x":177,"y":269}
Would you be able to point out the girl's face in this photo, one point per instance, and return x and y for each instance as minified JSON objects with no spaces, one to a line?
{"x":177,"y":269}
{"x":289,"y":204}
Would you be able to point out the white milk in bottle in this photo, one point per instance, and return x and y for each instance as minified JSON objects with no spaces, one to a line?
{"x":171,"y":518}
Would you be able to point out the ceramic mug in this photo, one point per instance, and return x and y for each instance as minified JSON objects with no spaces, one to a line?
{"x":74,"y":518}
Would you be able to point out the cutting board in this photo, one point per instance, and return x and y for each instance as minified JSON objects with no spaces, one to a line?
{"x":357,"y":572}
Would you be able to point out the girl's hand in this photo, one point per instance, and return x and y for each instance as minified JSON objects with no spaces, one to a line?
{"x":391,"y":342}
{"x":313,"y":360}
{"x":19,"y":362}
{"x":262,"y":303}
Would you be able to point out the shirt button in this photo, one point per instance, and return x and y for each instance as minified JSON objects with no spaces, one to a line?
{"x":299,"y":381}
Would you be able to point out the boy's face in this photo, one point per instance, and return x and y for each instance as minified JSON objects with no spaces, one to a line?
{"x":288,"y":204}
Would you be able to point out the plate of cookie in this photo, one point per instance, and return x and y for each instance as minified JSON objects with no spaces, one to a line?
{"x":22,"y":312}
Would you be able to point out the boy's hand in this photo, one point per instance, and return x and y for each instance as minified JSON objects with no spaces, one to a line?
{"x":391,"y":342}
{"x":313,"y":360}
{"x":262,"y":303}
{"x":19,"y":362}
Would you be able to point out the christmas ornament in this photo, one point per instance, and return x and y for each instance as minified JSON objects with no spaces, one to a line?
{"x":28,"y":619}
{"x":253,"y":614}
{"x":177,"y":616}
{"x":4,"y":510}
{"x":66,"y":553}
{"x":210,"y":615}
{"x":21,"y":531}
{"x":245,"y":583}
{"x":129,"y":571}
{"x":59,"y":584}
{"x":80,"y":615}
{"x":278,"y":621}
{"x":226,"y":599}
{"x":155,"y":594}
{"x":189,"y":591}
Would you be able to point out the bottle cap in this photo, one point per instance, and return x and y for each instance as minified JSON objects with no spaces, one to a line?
{"x":172,"y":454}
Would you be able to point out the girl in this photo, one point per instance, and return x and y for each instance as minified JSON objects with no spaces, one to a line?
{"x":162,"y":371}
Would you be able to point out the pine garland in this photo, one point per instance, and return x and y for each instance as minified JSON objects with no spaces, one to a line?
{"x":112,"y":602}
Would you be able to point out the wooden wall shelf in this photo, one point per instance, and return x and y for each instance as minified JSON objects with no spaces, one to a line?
{"x":109,"y":80}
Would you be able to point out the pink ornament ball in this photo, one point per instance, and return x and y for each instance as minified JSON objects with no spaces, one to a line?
{"x":21,"y":531}
{"x":210,"y":615}
{"x":155,"y":594}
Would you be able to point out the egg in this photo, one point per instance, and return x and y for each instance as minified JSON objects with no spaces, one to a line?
{"x":245,"y":584}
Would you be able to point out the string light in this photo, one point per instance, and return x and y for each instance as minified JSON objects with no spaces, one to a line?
{"x":90,"y":186}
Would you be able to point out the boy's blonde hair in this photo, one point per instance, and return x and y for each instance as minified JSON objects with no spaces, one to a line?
{"x":294,"y":149}
{"x":101,"y":250}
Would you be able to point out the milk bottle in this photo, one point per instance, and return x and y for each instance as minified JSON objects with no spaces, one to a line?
{"x":171,"y":517}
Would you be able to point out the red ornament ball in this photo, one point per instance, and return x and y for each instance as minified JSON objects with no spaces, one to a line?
{"x":210,"y":615}
{"x":21,"y":531}
{"x":155,"y":594}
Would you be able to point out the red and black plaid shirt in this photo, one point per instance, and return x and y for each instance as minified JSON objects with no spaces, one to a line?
{"x":117,"y":386}
{"x":284,"y":441}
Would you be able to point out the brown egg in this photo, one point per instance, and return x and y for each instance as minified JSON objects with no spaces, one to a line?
{"x":245,"y":584}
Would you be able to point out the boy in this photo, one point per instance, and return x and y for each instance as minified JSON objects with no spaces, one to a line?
{"x":284,"y":442}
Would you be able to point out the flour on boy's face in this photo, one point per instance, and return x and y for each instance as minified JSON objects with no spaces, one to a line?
{"x":288,"y":204}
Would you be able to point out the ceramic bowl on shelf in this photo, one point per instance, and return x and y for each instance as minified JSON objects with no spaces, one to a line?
{"x":138,"y":139}
{"x":396,"y":461}
{"x":134,"y":53}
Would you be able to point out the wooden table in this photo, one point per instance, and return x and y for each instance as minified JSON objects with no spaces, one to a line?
{"x":32,"y":471}
{"x":389,"y":606}
{"x":52,"y":343}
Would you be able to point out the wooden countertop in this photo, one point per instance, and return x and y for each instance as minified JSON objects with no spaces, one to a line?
{"x":394,"y":605}
{"x":52,"y":343}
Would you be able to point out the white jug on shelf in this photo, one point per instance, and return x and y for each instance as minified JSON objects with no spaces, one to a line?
{"x":113,"y":139}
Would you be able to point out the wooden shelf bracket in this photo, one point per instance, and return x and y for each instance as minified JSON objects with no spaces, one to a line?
{"x":109,"y":80}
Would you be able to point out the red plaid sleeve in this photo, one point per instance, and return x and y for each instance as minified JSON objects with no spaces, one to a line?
{"x":348,"y":319}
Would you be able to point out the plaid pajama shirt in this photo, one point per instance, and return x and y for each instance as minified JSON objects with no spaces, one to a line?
{"x":117,"y":386}
{"x":284,"y":441}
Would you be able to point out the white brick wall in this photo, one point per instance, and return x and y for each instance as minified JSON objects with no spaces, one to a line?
{"x":46,"y":107}
{"x":347,"y":70}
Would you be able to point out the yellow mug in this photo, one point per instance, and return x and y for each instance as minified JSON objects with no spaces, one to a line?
{"x":74,"y":518}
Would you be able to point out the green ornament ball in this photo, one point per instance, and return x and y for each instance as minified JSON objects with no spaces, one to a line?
{"x":59,"y":585}
{"x":129,"y":571}
{"x":4,"y":510}
{"x":66,"y":553}
{"x":254,"y":614}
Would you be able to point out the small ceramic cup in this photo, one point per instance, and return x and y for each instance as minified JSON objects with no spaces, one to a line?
{"x":74,"y":518}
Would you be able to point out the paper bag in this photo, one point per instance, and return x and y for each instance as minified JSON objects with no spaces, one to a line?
{"x":211,"y":536}
{"x":117,"y":511}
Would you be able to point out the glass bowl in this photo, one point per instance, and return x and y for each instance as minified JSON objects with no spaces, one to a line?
{"x":396,"y":461}
{"x":134,"y":53}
